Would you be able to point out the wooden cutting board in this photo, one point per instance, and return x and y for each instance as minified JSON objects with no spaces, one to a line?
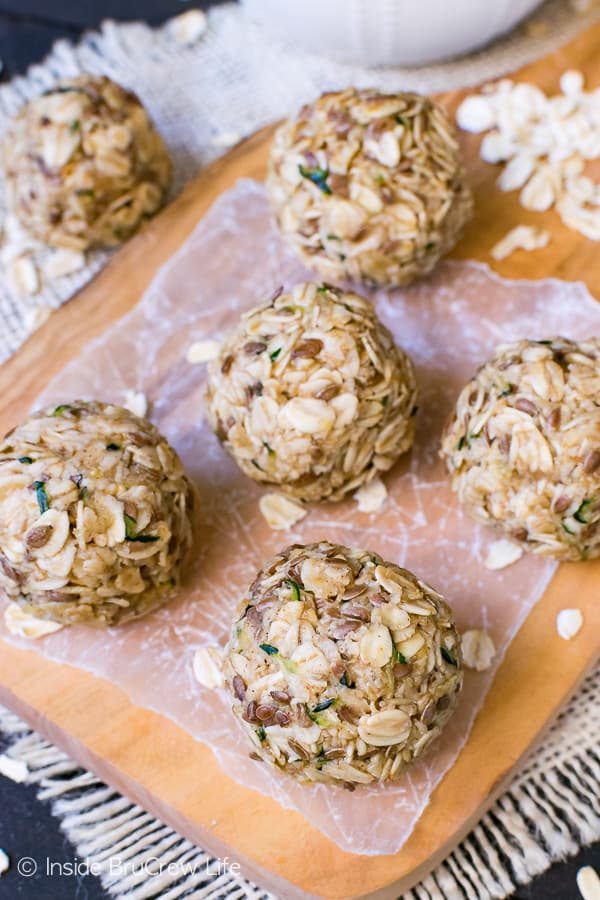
{"x":158,"y":765}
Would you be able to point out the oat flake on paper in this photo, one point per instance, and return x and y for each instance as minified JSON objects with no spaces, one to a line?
{"x":449,"y":323}
{"x":195,"y":93}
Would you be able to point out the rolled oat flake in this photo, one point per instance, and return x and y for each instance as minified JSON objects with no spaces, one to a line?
{"x":369,"y":187}
{"x":95,"y":517}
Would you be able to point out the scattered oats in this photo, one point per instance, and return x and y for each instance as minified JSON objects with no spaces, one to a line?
{"x":580,"y":217}
{"x":280,"y":512}
{"x":376,"y":646}
{"x":188,"y":27}
{"x":23,"y":276}
{"x":496,"y":148}
{"x":502,"y":553}
{"x":15,"y":769}
{"x":225,"y":139}
{"x":207,"y":667}
{"x":22,"y":624}
{"x":35,"y":316}
{"x":308,"y":415}
{"x":371,"y":497}
{"x":568,"y":623}
{"x":539,"y":193}
{"x":136,"y":402}
{"x":544,"y":143}
{"x":588,"y":883}
{"x":523,"y":237}
{"x":63,"y":262}
{"x":202,"y":351}
{"x":4,"y":862}
{"x":476,"y":114}
{"x":478,"y":649}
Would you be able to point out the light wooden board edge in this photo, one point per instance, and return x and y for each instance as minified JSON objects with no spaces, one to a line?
{"x":31,"y":684}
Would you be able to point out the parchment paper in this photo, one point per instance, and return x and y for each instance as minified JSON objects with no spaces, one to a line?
{"x":449,"y":324}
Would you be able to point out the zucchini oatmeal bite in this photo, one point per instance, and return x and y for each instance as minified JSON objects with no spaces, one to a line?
{"x":523,"y":445}
{"x":84,"y":165}
{"x":369,"y":187}
{"x":311,"y":395}
{"x":342,"y":667}
{"x":95,"y":515}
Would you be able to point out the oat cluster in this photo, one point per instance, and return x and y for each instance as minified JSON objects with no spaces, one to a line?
{"x":545,"y":144}
{"x":310,"y":393}
{"x":342,"y":667}
{"x":523,"y":445}
{"x":369,"y":187}
{"x":84,"y":164}
{"x":94,"y":515}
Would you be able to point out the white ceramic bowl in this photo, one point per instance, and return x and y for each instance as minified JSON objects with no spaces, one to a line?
{"x":391,"y":32}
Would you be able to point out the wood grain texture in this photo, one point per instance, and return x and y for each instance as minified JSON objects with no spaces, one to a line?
{"x":177,"y":779}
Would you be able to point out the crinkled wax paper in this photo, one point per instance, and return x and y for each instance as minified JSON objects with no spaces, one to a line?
{"x":449,"y":323}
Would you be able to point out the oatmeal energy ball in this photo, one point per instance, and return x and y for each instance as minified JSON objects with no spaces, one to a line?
{"x":94,"y":515}
{"x":311,"y":395}
{"x":84,"y":165}
{"x":369,"y":187}
{"x":342,"y":667}
{"x":523,"y":445}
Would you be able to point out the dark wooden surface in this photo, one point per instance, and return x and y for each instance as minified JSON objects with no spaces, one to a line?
{"x":28,"y":29}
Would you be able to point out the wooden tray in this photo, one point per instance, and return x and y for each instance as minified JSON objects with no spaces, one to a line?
{"x":162,"y":768}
